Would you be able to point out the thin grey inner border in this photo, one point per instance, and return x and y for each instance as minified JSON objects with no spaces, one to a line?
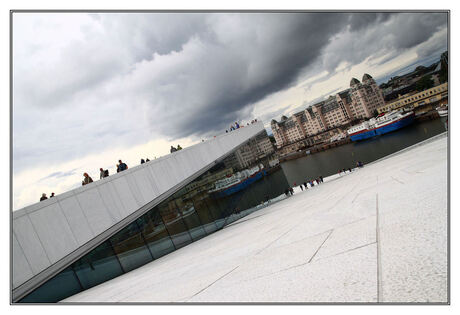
{"x":234,"y":11}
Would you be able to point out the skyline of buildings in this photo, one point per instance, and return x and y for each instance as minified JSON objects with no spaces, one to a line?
{"x":364,"y":99}
{"x":360,"y":101}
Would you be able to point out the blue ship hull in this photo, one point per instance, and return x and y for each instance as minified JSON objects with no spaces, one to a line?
{"x":395,"y":126}
{"x":240,"y":186}
{"x":385,"y":129}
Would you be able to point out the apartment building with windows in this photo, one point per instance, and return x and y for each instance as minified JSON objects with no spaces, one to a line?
{"x":360,"y":101}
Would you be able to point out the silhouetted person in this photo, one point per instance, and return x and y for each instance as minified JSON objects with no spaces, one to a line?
{"x":103,"y":173}
{"x":301,"y":187}
{"x":147,"y":160}
{"x":122,"y":166}
{"x":86,"y":180}
{"x":43,"y":197}
{"x":179,"y":147}
{"x":52,"y":195}
{"x":142,"y":161}
{"x":173,"y":149}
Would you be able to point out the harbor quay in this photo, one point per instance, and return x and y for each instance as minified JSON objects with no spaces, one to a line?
{"x":376,"y":235}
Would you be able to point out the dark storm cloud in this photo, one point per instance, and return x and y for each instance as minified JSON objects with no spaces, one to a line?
{"x":358,"y":20}
{"x":128,"y":77}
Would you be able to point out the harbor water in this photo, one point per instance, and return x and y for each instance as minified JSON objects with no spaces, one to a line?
{"x":329,"y":162}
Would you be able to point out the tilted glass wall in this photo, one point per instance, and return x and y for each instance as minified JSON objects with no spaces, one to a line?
{"x":224,"y":194}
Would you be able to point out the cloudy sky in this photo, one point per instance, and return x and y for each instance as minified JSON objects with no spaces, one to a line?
{"x":89,"y":89}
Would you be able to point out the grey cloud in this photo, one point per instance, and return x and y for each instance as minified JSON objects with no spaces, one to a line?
{"x":131,"y":76}
{"x":361,"y":20}
{"x":59,"y":174}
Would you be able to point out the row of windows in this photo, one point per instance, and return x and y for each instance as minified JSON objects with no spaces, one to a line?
{"x":186,"y":216}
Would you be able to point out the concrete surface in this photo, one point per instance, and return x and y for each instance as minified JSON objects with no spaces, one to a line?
{"x":48,"y":231}
{"x":378,"y":234}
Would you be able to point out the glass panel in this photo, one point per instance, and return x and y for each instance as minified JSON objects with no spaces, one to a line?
{"x":216,"y":211}
{"x":61,"y":286}
{"x":97,"y":266}
{"x":130,"y":247}
{"x":174,"y":223}
{"x":155,"y":234}
{"x":205,"y":216}
{"x":190,"y":217}
{"x":230,"y":190}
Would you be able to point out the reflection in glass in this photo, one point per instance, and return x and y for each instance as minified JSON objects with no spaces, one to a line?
{"x":230,"y":190}
{"x":130,"y":247}
{"x":174,"y":223}
{"x":187,"y":211}
{"x":97,"y":266}
{"x":155,"y":234}
{"x":204,"y":215}
{"x":61,"y":286}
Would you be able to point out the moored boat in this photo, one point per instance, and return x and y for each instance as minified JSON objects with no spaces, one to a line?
{"x":230,"y":185}
{"x":382,"y":124}
{"x":443,"y":110}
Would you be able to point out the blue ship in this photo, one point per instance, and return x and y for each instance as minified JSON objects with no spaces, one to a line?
{"x":383,"y":124}
{"x":234,"y":184}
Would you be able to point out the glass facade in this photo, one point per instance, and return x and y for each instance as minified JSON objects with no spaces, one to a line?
{"x":222,"y":195}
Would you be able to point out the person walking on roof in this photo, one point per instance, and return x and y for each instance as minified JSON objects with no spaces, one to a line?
{"x":103,"y":173}
{"x":173,"y":149}
{"x":179,"y":147}
{"x":122,"y":166}
{"x":52,"y":195}
{"x":86,"y":180}
{"x":43,"y":197}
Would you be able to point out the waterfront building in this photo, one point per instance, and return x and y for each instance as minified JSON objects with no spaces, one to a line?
{"x":94,"y":233}
{"x":288,"y":130}
{"x":360,"y":101}
{"x":366,"y":97}
{"x":251,"y":153}
{"x":429,"y":97}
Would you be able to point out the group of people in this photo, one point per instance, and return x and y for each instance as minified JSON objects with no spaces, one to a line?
{"x":290,"y":191}
{"x":121,"y":166}
{"x":146,"y":160}
{"x":43,"y":197}
{"x":237,"y":125}
{"x":318,"y":180}
{"x":359,"y":164}
{"x":173,"y":149}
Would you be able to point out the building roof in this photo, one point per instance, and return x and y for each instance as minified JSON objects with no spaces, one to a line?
{"x":354,"y":81}
{"x":366,"y":77}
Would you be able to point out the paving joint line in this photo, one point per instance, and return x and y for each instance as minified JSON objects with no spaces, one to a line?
{"x":214,"y":282}
{"x":327,"y":237}
{"x":397,"y":180}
